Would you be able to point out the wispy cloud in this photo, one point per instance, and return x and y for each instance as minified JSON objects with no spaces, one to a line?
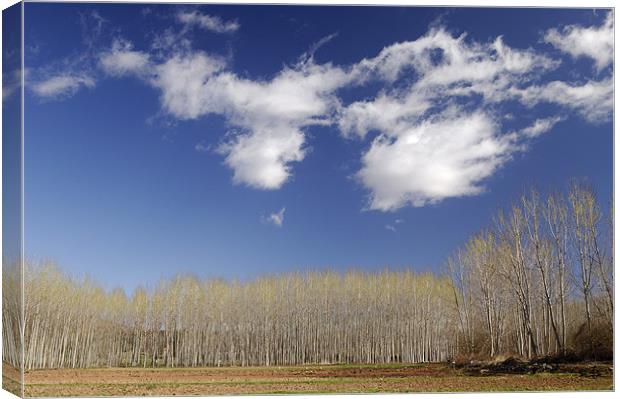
{"x":593,"y":100}
{"x":208,"y":22}
{"x":65,"y":77}
{"x":121,"y":59}
{"x":276,"y":218}
{"x":201,"y":147}
{"x":61,"y":86}
{"x":93,"y":26}
{"x":595,"y":42}
{"x":393,"y":226}
{"x":541,"y":126}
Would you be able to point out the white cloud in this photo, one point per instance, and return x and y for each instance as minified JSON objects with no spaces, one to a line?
{"x":428,"y":147}
{"x":60,"y":86}
{"x":208,"y":22}
{"x":448,"y":156}
{"x":267,"y":116}
{"x":171,"y":39}
{"x":593,"y":100}
{"x":182,"y":80}
{"x":595,"y":42}
{"x":390,"y":227}
{"x":63,"y":78}
{"x":262,"y":158}
{"x":438,"y":58}
{"x":383,"y":113}
{"x":276,"y":218}
{"x":442,"y":69}
{"x":541,"y":126}
{"x":272,"y":116}
{"x":121,"y":60}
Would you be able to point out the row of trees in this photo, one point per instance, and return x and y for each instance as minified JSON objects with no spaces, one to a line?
{"x":539,"y":282}
{"x":315,"y":317}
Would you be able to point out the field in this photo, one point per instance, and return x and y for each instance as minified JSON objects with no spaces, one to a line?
{"x":298,"y":379}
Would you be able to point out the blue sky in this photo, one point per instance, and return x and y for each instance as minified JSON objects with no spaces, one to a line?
{"x":11,"y":139}
{"x":235,"y":141}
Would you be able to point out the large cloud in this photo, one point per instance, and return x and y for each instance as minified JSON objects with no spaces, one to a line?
{"x":262,"y":157}
{"x":439,"y":134}
{"x":429,"y":146}
{"x":443,"y":157}
{"x":266,"y":117}
{"x":272,"y":115}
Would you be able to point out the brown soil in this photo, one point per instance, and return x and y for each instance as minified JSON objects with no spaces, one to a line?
{"x":222,"y":374}
{"x":298,"y":379}
{"x":11,"y":379}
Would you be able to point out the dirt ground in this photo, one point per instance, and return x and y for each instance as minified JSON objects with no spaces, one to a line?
{"x":11,"y":379}
{"x":298,"y":379}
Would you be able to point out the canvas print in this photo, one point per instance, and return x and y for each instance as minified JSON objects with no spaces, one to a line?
{"x":234,"y":199}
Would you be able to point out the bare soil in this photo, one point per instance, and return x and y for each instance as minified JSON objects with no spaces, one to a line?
{"x":298,"y":379}
{"x":11,"y":379}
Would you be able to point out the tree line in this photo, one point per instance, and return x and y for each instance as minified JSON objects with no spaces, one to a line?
{"x":313,"y":317}
{"x":538,"y":282}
